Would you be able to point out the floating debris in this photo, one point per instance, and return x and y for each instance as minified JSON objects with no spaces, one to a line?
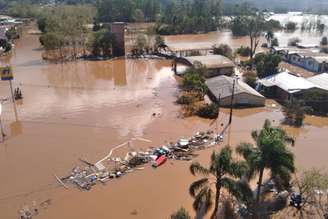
{"x":86,"y":177}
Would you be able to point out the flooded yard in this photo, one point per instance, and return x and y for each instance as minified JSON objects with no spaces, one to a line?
{"x":82,"y":109}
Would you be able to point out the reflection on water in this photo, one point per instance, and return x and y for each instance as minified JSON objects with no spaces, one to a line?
{"x":87,"y":92}
{"x":16,"y":128}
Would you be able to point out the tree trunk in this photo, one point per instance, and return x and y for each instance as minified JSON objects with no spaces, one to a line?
{"x":258,"y":194}
{"x":251,"y":39}
{"x":217,"y":200}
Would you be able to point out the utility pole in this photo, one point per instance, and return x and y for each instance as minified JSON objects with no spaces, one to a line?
{"x":3,"y":135}
{"x":232,"y":98}
{"x":218,"y":109}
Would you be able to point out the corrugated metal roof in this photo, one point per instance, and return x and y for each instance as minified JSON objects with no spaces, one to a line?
{"x":222,"y":86}
{"x":321,"y":81}
{"x":211,"y":61}
{"x":287,"y":81}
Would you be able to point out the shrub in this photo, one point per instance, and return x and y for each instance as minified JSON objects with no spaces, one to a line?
{"x":223,"y":49}
{"x":244,"y":51}
{"x":291,"y":26}
{"x":293,"y":41}
{"x":264,"y":45}
{"x":189,"y":98}
{"x":209,"y":111}
{"x":180,"y":214}
{"x":273,"y":25}
{"x":250,"y":78}
{"x":324,"y":41}
{"x":274,"y":42}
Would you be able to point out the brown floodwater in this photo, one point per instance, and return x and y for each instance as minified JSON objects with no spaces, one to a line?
{"x":206,"y":41}
{"x":82,"y":109}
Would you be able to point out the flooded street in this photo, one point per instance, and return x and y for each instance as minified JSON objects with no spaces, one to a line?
{"x":82,"y":109}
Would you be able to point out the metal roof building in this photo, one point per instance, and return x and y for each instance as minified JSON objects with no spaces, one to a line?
{"x":285,"y":84}
{"x":287,"y":81}
{"x":320,"y":81}
{"x":215,"y":64}
{"x":221,"y":88}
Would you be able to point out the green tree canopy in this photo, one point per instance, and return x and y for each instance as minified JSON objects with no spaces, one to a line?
{"x":220,"y":173}
{"x":269,"y":152}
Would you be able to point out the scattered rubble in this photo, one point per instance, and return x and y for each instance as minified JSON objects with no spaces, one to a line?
{"x":88,"y":176}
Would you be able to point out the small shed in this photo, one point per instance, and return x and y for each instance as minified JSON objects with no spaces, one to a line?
{"x":215,"y":64}
{"x":220,"y":87}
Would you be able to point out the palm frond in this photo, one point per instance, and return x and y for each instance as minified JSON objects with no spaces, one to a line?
{"x":203,"y":200}
{"x":239,"y":169}
{"x":196,"y":186}
{"x":267,"y":125}
{"x":239,"y":189}
{"x":245,"y":149}
{"x":197,"y":168}
{"x":255,"y":135}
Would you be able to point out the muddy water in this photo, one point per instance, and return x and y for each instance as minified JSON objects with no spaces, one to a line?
{"x":83,"y":109}
{"x":206,"y":41}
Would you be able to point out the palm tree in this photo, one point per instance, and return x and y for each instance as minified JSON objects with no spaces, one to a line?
{"x":270,"y":152}
{"x":220,"y":173}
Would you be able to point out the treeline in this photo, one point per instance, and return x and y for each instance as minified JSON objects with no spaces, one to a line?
{"x":127,"y":10}
{"x":65,"y":29}
{"x":190,"y":16}
{"x":282,"y":6}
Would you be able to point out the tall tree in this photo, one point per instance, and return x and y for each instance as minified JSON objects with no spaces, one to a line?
{"x":270,"y":153}
{"x":249,"y":22}
{"x":221,"y":173}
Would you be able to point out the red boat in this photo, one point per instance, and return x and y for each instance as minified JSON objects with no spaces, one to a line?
{"x":159,"y":161}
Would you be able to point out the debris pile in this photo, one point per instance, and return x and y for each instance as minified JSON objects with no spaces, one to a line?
{"x":88,"y":176}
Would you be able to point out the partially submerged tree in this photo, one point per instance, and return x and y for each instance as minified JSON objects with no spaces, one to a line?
{"x":220,"y":173}
{"x":101,"y":42}
{"x":294,"y":112}
{"x":324,"y":41}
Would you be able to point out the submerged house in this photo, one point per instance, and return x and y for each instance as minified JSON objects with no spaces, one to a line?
{"x":215,"y":64}
{"x":220,"y":90}
{"x":309,"y":59}
{"x":283,"y":86}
